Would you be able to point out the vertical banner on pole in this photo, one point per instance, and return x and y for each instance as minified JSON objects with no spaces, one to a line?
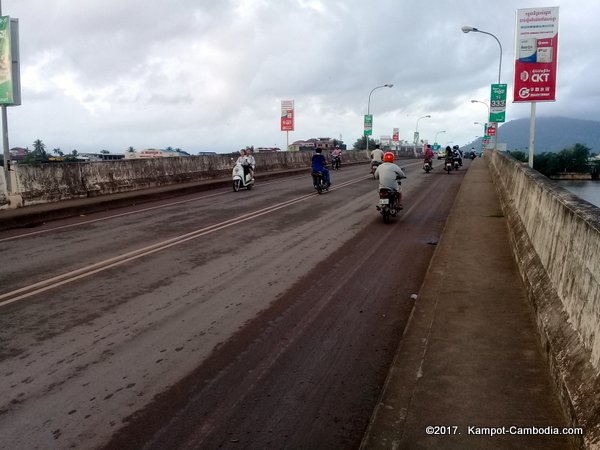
{"x":396,"y":134}
{"x":287,"y":115}
{"x":536,"y":55}
{"x":368,"y":129}
{"x":6,"y":83}
{"x":497,"y":103}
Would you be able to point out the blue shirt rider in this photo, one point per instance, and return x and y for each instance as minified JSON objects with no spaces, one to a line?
{"x":318,"y":165}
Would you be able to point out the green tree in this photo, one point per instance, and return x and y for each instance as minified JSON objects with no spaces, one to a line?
{"x":58,"y":152}
{"x":580,"y":155}
{"x":546,"y":163}
{"x":38,"y":154}
{"x":104,"y":152}
{"x":574,"y":159}
{"x":130,"y":150}
{"x":337,"y":142}
{"x":519,"y":155}
{"x":361,"y":143}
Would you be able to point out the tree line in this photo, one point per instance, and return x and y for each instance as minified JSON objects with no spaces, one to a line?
{"x":40,"y":155}
{"x":574,"y":159}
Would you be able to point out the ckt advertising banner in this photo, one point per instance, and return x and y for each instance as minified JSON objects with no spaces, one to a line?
{"x":536,"y":55}
{"x":396,"y":134}
{"x":6,"y":84}
{"x":287,"y":115}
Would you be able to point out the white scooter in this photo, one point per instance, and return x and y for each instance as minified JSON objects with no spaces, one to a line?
{"x":241,"y":181}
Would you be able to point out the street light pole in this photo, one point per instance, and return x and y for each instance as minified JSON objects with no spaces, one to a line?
{"x":6,"y":148}
{"x":436,"y":135}
{"x":488,"y":116}
{"x":416,"y":137}
{"x":467,"y":29}
{"x":388,"y":85}
{"x":484,"y":125}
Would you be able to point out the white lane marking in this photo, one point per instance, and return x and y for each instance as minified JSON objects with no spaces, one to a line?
{"x":115,"y":216}
{"x":44,"y":285}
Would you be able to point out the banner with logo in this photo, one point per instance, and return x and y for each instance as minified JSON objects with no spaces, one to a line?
{"x":536,"y":55}
{"x":497,"y":103}
{"x":368,"y":125}
{"x":287,"y":115}
{"x":6,"y":83}
{"x":396,"y":135}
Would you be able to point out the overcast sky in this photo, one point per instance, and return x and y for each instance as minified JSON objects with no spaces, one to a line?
{"x":210,"y":75}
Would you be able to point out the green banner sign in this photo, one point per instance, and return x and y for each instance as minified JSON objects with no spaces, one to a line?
{"x":6,"y":85}
{"x":498,"y":103}
{"x":368,"y":124}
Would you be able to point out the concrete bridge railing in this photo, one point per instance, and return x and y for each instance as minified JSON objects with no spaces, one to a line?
{"x":556,"y":242}
{"x":44,"y":183}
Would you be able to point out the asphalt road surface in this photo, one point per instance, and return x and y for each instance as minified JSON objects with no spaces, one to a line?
{"x":258,"y":319}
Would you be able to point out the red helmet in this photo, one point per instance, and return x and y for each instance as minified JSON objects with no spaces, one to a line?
{"x":388,"y":157}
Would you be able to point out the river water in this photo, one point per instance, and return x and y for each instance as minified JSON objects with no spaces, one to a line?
{"x":586,"y":189}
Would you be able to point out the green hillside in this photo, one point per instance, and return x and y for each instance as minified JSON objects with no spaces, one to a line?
{"x":552,"y":134}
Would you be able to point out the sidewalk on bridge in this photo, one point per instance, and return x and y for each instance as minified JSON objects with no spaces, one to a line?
{"x":469,"y":356}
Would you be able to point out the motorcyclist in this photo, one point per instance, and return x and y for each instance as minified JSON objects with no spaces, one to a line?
{"x":428,"y":156}
{"x":243,"y":160}
{"x":251,"y":162}
{"x":449,"y":156}
{"x":376,"y":157}
{"x":457,"y":154}
{"x":472,"y":155}
{"x":337,"y":153}
{"x":389,"y":175}
{"x":319,"y":164}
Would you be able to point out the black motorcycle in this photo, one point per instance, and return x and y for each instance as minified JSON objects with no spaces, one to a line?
{"x":374,"y":165}
{"x":336,"y":162}
{"x":388,"y":203}
{"x":319,"y":182}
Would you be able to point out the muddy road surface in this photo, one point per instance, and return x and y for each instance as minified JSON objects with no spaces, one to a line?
{"x":258,"y":319}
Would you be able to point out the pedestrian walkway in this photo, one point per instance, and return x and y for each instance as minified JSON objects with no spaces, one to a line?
{"x":469,"y":361}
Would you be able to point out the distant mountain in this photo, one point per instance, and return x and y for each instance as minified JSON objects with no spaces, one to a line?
{"x":552,"y":134}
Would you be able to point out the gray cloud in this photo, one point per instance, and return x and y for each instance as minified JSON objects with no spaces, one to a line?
{"x":206,"y":75}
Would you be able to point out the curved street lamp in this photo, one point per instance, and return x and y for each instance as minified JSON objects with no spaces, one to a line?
{"x":436,"y":135}
{"x":486,"y":105}
{"x":387,"y":85}
{"x":416,"y":137}
{"x":468,"y":29}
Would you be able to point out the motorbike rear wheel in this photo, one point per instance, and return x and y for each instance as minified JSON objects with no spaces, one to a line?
{"x":318,"y":183}
{"x":385,"y":212}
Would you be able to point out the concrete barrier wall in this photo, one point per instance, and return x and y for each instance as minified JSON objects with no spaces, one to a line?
{"x":43,"y":183}
{"x":556,"y":242}
{"x":3,"y":193}
{"x":565,"y":233}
